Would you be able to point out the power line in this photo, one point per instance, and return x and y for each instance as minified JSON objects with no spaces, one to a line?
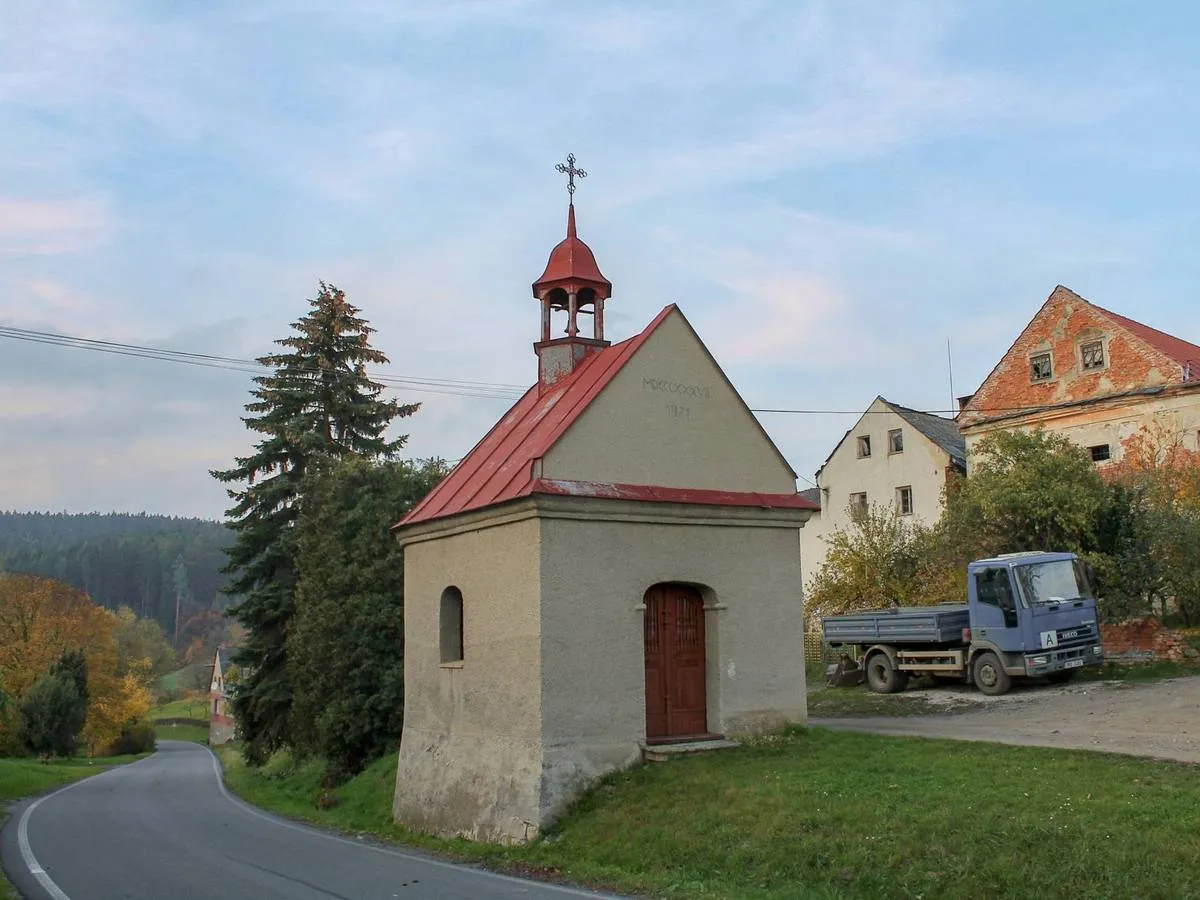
{"x":486,"y":390}
{"x":448,"y":386}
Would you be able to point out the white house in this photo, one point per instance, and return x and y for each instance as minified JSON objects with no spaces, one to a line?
{"x":893,"y":456}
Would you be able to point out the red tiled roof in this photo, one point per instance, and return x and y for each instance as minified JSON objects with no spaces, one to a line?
{"x":1183,"y":352}
{"x":500,"y":467}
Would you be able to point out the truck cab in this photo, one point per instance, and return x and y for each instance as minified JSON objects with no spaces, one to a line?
{"x":1036,"y":612}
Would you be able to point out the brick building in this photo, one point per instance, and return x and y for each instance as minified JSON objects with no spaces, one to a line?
{"x":1092,"y":375}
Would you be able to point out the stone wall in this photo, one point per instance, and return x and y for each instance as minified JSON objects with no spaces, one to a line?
{"x":220,"y":730}
{"x":1144,"y":640}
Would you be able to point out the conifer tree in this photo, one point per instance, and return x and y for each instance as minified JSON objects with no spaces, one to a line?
{"x":317,"y":404}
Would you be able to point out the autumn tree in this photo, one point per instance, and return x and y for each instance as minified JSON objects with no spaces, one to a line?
{"x":881,"y":560}
{"x":49,"y":630}
{"x":345,"y":649}
{"x":316,"y":404}
{"x":1157,"y":481}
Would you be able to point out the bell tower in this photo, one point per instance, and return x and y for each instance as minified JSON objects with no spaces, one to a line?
{"x":571,"y":284}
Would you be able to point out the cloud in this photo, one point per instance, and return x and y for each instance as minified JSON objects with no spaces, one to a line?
{"x":51,"y":227}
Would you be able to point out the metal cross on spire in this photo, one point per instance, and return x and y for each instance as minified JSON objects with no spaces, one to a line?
{"x":570,"y":171}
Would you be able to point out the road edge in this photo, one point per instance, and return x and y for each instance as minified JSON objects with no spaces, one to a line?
{"x":27,"y":805}
{"x":379,"y":845}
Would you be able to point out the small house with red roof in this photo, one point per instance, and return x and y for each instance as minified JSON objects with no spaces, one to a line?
{"x":615,"y":565}
{"x":1097,"y":377}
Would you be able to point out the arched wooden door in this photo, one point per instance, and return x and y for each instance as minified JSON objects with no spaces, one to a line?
{"x":676,"y":704}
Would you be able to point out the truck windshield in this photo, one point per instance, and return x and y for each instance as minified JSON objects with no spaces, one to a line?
{"x":1053,"y":582}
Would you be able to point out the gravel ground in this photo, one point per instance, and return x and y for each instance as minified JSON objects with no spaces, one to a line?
{"x":1160,"y":719}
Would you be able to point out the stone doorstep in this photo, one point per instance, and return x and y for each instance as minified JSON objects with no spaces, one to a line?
{"x":663,"y":752}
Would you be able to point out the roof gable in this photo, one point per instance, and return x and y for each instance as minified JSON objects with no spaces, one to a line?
{"x":1137,"y":356}
{"x":940,"y":431}
{"x":505,"y":464}
{"x":682,"y":424}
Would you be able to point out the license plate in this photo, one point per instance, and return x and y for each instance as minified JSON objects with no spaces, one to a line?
{"x":1073,"y":664}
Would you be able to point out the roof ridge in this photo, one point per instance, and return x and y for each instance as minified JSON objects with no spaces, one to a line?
{"x":1126,"y":320}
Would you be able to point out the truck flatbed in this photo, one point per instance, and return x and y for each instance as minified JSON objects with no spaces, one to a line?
{"x":941,"y":624}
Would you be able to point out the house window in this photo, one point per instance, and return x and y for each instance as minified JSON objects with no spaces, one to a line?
{"x":1100,"y":453}
{"x":904,"y":500}
{"x":451,"y":625}
{"x":1041,"y":367}
{"x":896,"y":441}
{"x":864,"y":446}
{"x":1092,"y":354}
{"x":858,"y":502}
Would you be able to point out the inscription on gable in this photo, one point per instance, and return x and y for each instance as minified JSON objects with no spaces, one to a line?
{"x":679,"y":390}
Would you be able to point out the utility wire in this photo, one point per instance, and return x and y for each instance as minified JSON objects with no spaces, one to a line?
{"x":447,"y":386}
{"x":453,"y":387}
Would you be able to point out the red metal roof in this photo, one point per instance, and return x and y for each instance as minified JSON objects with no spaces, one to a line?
{"x":500,"y":467}
{"x":572,"y":260}
{"x":1183,"y":352}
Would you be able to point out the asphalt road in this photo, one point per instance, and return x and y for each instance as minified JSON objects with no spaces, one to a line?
{"x":165,"y":827}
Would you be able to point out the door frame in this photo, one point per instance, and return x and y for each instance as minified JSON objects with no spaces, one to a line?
{"x":674,"y":725}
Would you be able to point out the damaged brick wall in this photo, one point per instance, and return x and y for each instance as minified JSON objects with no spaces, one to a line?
{"x":1061,"y":327}
{"x":1143,"y":640}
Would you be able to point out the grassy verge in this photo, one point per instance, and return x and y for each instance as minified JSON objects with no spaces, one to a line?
{"x":193,"y":733}
{"x":1142,"y":671}
{"x":188,"y":708}
{"x":179,"y":680}
{"x":820,"y":814}
{"x":27,"y":777}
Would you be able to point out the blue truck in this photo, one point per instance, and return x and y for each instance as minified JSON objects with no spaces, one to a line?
{"x":1027,"y":615}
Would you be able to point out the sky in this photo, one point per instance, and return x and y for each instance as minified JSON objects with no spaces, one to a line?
{"x":831,"y":191}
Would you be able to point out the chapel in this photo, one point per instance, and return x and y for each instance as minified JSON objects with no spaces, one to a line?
{"x":615,"y":566}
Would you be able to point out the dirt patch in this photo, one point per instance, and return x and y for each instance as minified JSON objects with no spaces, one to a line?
{"x":1158,"y":719}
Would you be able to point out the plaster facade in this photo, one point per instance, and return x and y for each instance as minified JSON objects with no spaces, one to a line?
{"x":1137,"y":378}
{"x":922,"y":466}
{"x":550,"y":692}
{"x":692,"y":428}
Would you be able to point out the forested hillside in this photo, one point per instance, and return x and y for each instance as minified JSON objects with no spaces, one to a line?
{"x":151,"y":564}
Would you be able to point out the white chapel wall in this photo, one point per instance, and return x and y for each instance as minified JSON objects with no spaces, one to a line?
{"x":669,"y":418}
{"x":470,"y":756}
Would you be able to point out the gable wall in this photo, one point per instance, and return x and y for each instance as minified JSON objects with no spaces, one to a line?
{"x":1063,"y":323}
{"x":470,"y":753}
{"x":669,"y":418}
{"x":922,"y":466}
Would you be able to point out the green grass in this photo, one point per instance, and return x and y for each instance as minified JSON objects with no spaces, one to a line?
{"x":28,"y":777}
{"x":188,"y":708}
{"x":180,"y":680}
{"x":820,"y":814}
{"x":194,"y":733}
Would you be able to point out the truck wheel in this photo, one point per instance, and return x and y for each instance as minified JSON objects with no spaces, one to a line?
{"x":882,"y":676}
{"x":989,"y":675}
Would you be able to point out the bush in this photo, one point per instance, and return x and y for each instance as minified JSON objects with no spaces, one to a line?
{"x":50,"y":716}
{"x":136,"y":737}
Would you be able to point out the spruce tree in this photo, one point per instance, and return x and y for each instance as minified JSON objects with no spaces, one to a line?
{"x":317,"y":404}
